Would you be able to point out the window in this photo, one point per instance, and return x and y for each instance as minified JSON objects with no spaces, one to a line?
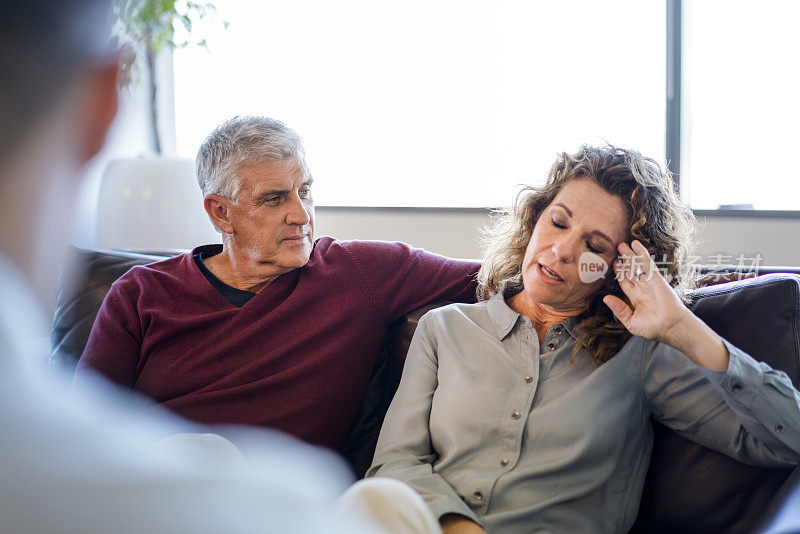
{"x":419,"y":103}
{"x":741,"y":81}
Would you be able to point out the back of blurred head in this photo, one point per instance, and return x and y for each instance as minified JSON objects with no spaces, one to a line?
{"x":57,"y":100}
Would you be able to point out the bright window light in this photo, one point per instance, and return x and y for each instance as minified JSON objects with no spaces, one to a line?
{"x":432,"y":103}
{"x":741,"y":110}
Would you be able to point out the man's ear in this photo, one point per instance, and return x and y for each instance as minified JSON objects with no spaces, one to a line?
{"x":100,"y":106}
{"x":218,"y":209}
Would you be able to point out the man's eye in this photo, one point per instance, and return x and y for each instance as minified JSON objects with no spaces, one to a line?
{"x":305,"y":192}
{"x":272,"y":200}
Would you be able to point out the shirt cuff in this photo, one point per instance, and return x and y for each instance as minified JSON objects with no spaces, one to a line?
{"x":743,"y":378}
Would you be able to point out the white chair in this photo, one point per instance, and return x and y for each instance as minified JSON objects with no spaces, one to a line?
{"x":151,"y":203}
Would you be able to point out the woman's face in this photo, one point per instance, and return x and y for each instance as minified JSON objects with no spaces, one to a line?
{"x":579,"y":231}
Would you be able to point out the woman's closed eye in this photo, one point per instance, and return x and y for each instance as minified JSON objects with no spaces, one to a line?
{"x":593,"y":249}
{"x":562,"y":226}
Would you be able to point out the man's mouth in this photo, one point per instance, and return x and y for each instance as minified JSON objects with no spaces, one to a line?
{"x":295,"y":238}
{"x":550,"y":273}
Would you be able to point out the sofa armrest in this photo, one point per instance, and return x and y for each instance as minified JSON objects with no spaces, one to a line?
{"x":783,"y":514}
{"x":81,"y":290}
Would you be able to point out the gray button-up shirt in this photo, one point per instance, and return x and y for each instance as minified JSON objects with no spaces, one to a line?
{"x":494,"y":424}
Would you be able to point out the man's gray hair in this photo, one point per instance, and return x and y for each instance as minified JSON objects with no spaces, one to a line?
{"x":240,"y":142}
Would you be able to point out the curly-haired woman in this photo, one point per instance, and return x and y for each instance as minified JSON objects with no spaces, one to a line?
{"x":529,"y":411}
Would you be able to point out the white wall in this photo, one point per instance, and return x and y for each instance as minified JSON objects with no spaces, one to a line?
{"x":451,"y":232}
{"x":455,"y":232}
{"x":448,"y":232}
{"x":777,"y":240}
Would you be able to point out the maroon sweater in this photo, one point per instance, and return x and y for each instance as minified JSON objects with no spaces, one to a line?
{"x":296,"y":357}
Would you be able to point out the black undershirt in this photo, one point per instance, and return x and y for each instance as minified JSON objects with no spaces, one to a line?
{"x":237,"y":297}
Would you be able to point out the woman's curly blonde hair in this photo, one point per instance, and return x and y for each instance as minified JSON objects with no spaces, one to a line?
{"x":658,"y":220}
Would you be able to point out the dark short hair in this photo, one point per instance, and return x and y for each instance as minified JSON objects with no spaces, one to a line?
{"x":44,"y":45}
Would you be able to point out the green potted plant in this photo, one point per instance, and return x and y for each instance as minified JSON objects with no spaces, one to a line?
{"x":148,"y":26}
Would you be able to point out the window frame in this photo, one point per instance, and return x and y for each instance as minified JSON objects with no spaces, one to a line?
{"x":673,"y":120}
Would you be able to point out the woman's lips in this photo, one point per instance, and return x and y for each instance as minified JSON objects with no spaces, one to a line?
{"x":549,"y":274}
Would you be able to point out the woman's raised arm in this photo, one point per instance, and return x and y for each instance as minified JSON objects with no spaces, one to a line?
{"x":720,"y":396}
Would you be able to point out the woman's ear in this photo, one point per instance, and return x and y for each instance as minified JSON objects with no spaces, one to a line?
{"x":218,"y":209}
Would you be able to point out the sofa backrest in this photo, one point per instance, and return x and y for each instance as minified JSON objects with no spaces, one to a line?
{"x":81,"y":290}
{"x":688,"y":488}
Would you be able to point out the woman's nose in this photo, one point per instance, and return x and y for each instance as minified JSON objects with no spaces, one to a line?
{"x":565,"y":248}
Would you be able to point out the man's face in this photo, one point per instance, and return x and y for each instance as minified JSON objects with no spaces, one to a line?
{"x":273,"y":215}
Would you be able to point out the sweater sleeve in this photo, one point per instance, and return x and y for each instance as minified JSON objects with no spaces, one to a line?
{"x":750,"y":411}
{"x":401,"y":278}
{"x":404,"y":449}
{"x":114,"y":344}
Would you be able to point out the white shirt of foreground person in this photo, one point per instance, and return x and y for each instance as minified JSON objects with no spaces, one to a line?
{"x":69,"y":466}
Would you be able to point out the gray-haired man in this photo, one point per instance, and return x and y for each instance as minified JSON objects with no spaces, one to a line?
{"x":270,"y":328}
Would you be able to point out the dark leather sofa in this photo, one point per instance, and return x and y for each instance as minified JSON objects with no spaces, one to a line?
{"x":688,"y":489}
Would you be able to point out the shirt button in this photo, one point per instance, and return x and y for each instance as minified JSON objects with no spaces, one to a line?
{"x":478,"y":496}
{"x":551,"y":346}
{"x":736,"y":387}
{"x":515,"y":415}
{"x":779,"y":429}
{"x":558,"y":330}
{"x":528,"y":379}
{"x":503,"y":462}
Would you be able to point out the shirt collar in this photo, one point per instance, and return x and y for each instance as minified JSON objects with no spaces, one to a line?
{"x":504,"y":318}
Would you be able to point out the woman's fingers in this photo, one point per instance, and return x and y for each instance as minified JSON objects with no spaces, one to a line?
{"x":635,"y":262}
{"x":640,"y":249}
{"x":644,"y":259}
{"x":618,"y":307}
{"x":623,"y":277}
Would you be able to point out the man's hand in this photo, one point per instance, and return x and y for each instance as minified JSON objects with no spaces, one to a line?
{"x":458,"y":524}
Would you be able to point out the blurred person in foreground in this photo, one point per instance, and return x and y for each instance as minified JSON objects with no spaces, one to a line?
{"x":530,"y":411}
{"x":89,"y":465}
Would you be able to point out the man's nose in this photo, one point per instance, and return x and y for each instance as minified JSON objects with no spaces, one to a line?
{"x":298,"y":212}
